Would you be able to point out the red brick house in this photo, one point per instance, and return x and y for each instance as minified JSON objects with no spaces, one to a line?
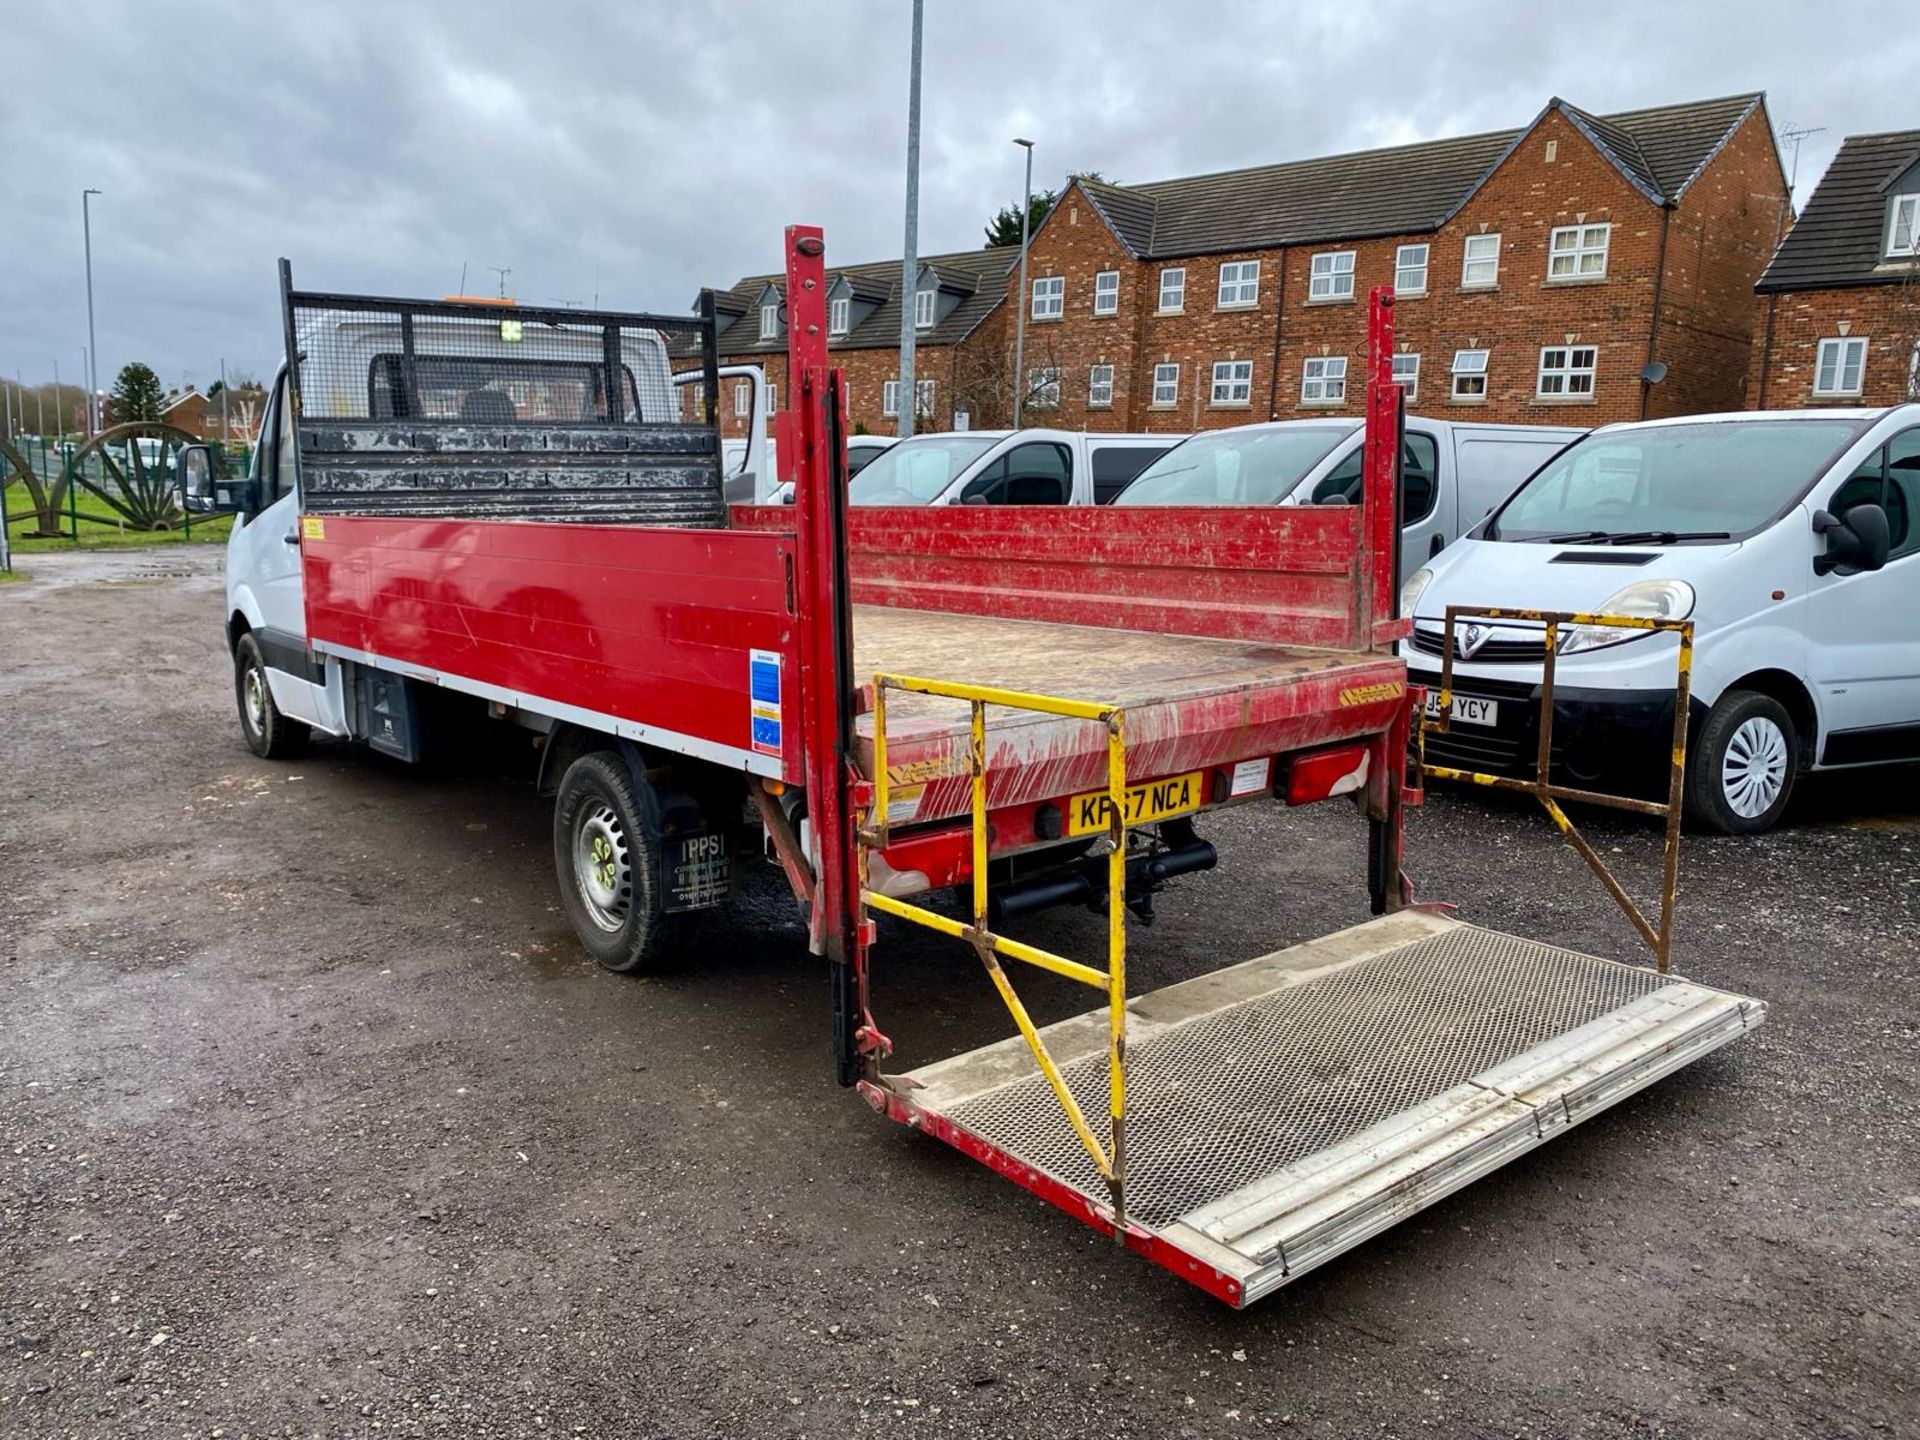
{"x":959,"y":326}
{"x":1840,"y":301}
{"x":1541,"y":271}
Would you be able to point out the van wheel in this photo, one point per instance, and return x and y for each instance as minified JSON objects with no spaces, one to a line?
{"x":1743,"y":765}
{"x":270,"y":735}
{"x":608,"y":865}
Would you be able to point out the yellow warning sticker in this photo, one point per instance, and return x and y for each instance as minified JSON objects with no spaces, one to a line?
{"x":1369,"y":694}
{"x":313,"y":527}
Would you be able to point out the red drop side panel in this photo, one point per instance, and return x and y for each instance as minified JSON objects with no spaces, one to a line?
{"x":646,"y":625}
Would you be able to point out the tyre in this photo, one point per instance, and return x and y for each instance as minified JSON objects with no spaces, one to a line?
{"x":608,"y":866}
{"x":270,"y":735}
{"x":1743,"y":765}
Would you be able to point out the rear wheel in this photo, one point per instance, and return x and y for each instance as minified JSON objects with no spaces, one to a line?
{"x":608,"y":865}
{"x":269,"y":734}
{"x":1743,"y":765}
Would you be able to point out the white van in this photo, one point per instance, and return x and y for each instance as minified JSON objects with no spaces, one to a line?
{"x":1007,"y":467}
{"x":1452,"y":474}
{"x":1792,"y":539}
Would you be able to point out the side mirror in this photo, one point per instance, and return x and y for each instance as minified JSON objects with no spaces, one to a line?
{"x":1857,"y":541}
{"x":973,"y":499}
{"x":196,"y":478}
{"x":207,"y":487}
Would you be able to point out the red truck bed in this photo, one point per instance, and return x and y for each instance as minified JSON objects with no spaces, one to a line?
{"x":1192,"y":702}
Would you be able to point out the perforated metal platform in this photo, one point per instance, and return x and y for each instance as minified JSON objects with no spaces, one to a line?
{"x":1283,"y":1110}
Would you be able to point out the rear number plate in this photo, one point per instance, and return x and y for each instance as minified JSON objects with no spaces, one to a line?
{"x":1157,"y":800}
{"x":1467,"y":709}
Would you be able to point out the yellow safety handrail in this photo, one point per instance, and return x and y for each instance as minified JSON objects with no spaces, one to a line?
{"x":1552,"y":623}
{"x":1109,"y":1159}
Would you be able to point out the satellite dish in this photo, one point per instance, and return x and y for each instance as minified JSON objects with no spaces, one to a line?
{"x":1654,"y":371}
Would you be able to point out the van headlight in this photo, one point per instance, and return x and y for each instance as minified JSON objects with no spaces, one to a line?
{"x":1643,"y":600}
{"x":1415,"y":587}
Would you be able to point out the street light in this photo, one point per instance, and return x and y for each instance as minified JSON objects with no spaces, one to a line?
{"x":1020,"y":315}
{"x":910,"y":261}
{"x":93,"y":345}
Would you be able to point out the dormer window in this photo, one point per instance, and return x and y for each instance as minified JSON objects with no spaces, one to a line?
{"x":1903,"y":226}
{"x":769,"y":319}
{"x":923,"y":308}
{"x":839,"y":314}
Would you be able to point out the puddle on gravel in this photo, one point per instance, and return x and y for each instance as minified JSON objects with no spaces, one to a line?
{"x":557,"y":956}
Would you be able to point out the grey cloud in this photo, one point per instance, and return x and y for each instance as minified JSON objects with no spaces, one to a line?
{"x":641,"y":150}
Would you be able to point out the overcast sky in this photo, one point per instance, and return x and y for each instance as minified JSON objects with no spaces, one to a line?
{"x":639,"y":150}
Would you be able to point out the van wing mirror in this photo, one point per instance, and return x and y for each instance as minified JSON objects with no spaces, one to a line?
{"x":1856,"y":541}
{"x":207,"y":487}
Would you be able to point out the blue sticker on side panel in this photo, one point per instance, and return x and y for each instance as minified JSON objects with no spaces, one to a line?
{"x":763,"y":700}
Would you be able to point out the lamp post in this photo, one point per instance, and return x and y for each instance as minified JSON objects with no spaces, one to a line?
{"x":1020,"y":314}
{"x":910,"y":261}
{"x":93,"y":377}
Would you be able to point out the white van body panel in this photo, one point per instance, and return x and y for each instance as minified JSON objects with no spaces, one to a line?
{"x":1478,"y":466}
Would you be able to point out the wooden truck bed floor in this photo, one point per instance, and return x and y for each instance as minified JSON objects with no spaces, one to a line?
{"x":1191,"y":702}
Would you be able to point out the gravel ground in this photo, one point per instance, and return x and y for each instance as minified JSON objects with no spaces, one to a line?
{"x":317,"y":1122}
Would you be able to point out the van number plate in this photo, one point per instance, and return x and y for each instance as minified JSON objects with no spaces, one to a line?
{"x":1467,"y":709}
{"x":1157,"y":800}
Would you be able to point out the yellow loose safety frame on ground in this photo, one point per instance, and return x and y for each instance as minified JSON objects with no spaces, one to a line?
{"x":1111,"y":1157}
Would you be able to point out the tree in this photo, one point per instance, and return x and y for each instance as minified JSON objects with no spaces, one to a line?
{"x":136,"y":394}
{"x":1004,"y":229}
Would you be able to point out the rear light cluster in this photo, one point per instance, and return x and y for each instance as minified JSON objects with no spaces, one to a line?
{"x":1323,"y":774}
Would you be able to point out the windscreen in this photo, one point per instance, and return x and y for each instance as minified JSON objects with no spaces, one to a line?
{"x":1248,"y":466}
{"x":489,"y":388}
{"x":1673,"y":483}
{"x":915,"y":472}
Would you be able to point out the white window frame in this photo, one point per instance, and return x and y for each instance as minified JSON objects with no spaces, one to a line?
{"x":1403,"y":265}
{"x":1100,"y":390}
{"x":1469,"y":260}
{"x":1166,"y":385}
{"x":770,"y":320}
{"x":1581,"y":248}
{"x":1561,"y":372}
{"x":1907,"y":208}
{"x":1239,"y":287}
{"x":1174,"y":279}
{"x":1234,"y":388}
{"x":1106,"y":301}
{"x":923,"y":399}
{"x":742,"y":399}
{"x":1043,"y":387}
{"x":1469,"y":366}
{"x":839,"y":314}
{"x":926,"y":304}
{"x":890,"y":398}
{"x":1049,"y":297}
{"x":1841,"y":347}
{"x":1327,"y":278}
{"x":1323,"y":380}
{"x":1406,"y":374}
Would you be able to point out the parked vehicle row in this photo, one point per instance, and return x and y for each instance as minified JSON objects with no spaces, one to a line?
{"x":1452,"y":475}
{"x":1007,"y":467}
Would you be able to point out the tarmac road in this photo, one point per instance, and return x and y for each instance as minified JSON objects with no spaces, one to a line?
{"x":316,"y":1122}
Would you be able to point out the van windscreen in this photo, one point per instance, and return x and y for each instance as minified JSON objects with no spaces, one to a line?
{"x":918,"y":471}
{"x":1715,"y":480}
{"x":1247,"y":466}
